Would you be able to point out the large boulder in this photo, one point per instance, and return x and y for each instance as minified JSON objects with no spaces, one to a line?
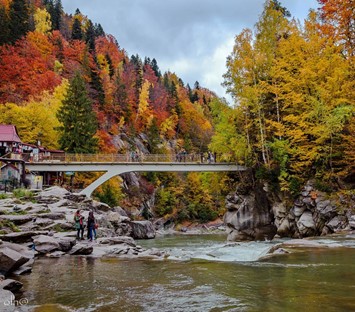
{"x":45,"y":244}
{"x":51,"y":195}
{"x":66,"y":243}
{"x":39,"y":222}
{"x":22,"y":249}
{"x":121,"y":211}
{"x":306,"y":224}
{"x":115,"y":218}
{"x":98,"y":206}
{"x":81,"y":249}
{"x":10,"y":260}
{"x":249,"y":215}
{"x":142,"y":229}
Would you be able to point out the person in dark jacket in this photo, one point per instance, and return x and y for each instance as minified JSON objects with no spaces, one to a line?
{"x":91,"y":226}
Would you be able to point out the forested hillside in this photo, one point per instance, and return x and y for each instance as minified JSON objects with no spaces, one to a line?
{"x":68,"y":84}
{"x":43,"y":48}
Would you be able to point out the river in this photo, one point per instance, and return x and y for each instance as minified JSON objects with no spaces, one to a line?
{"x":203,"y":273}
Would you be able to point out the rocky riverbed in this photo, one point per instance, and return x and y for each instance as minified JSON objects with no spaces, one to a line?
{"x":43,"y":226}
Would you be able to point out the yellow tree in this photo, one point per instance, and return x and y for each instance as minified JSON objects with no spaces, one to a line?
{"x":144,"y":113}
{"x":36,"y":120}
{"x":310,"y":88}
{"x":167,"y":127}
{"x":43,"y":22}
{"x":249,"y":75}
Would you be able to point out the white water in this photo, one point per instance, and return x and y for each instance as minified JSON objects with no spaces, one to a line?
{"x":241,"y":252}
{"x":216,"y":249}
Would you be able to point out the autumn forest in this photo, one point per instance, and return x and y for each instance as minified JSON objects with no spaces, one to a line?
{"x":65,"y":81}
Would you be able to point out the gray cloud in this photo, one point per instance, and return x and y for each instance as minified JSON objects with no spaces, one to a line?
{"x":188,"y":37}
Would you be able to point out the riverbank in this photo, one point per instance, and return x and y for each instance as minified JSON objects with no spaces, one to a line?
{"x":42,"y":225}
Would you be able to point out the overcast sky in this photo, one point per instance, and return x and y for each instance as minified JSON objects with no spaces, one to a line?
{"x":189,"y":37}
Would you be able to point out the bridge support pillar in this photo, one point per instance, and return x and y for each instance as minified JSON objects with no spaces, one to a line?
{"x":106,"y":176}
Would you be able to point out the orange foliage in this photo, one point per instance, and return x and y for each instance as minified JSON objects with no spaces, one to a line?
{"x":41,"y":43}
{"x":126,"y":96}
{"x":105,"y":143}
{"x":108,"y":46}
{"x":339,"y":16}
{"x":6,"y":4}
{"x":25,"y":72}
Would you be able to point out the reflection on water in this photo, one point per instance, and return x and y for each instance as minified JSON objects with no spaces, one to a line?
{"x":205,"y":278}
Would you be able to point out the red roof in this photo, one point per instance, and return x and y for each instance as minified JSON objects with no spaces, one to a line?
{"x":8,"y":133}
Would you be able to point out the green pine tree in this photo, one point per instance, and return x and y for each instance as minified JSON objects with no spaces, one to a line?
{"x":18,"y":20}
{"x":99,"y":31}
{"x":77,"y":33}
{"x":90,"y":36}
{"x":97,"y":89}
{"x":57,"y":15}
{"x":78,"y":120}
{"x":121,"y":98}
{"x":4,"y":26}
{"x":154,"y":137}
{"x":155,"y":67}
{"x":138,"y":65}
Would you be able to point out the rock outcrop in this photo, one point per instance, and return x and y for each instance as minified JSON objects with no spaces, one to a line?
{"x":313,"y":213}
{"x":255,"y":213}
{"x":142,"y":229}
{"x":249,"y":215}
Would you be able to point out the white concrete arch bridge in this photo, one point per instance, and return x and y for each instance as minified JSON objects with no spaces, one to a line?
{"x":113,"y":165}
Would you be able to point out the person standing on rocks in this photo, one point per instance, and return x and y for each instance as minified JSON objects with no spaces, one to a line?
{"x":79,"y":224}
{"x":91,"y":225}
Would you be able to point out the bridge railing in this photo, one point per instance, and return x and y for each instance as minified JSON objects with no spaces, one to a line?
{"x":124,"y":158}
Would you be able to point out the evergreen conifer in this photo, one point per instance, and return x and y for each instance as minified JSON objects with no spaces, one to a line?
{"x":78,"y":120}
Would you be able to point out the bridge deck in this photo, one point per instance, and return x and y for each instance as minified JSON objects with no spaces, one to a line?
{"x":116,"y":164}
{"x":132,"y":166}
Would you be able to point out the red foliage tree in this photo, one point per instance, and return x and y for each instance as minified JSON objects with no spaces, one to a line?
{"x":25,"y":72}
{"x":339,"y":19}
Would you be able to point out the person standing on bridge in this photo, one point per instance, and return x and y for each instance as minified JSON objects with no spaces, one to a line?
{"x":79,"y":224}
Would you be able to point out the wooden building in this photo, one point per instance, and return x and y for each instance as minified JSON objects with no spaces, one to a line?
{"x":15,"y":153}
